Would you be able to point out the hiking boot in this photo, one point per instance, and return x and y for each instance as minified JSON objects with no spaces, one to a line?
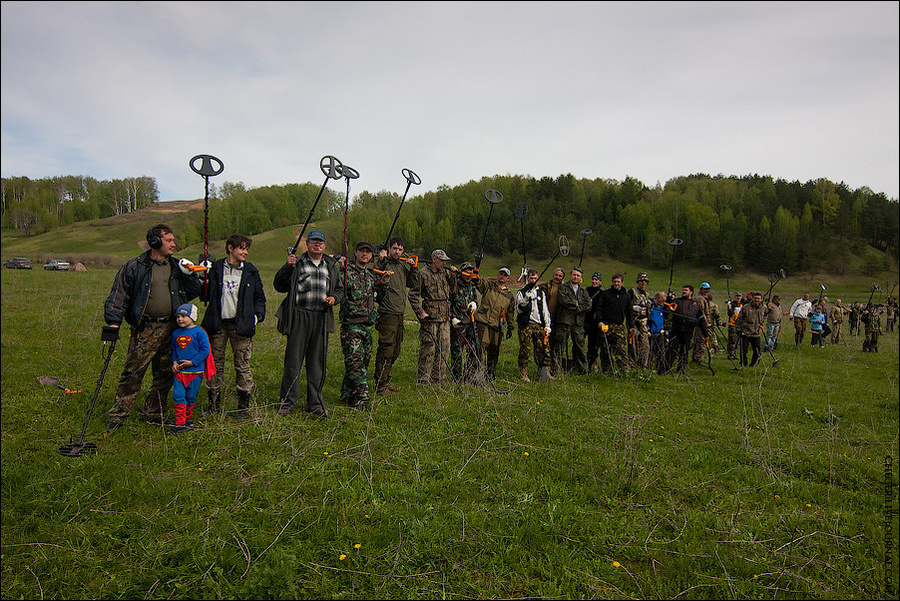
{"x":524,"y":376}
{"x":158,"y":420}
{"x":243,"y":411}
{"x":284,"y":410}
{"x":384,"y":391}
{"x":318,"y":412}
{"x":390,"y":386}
{"x":213,"y":407}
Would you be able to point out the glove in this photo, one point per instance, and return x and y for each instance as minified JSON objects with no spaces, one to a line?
{"x":472,"y":306}
{"x":532,"y":294}
{"x":455,"y":322}
{"x":207,"y":264}
{"x":547,"y":330}
{"x":524,"y":273}
{"x":509,"y":333}
{"x":185,"y":266}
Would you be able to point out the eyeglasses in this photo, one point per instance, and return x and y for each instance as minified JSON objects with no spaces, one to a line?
{"x":309,"y":242}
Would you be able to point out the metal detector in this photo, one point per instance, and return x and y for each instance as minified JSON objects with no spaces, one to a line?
{"x":333,"y":169}
{"x":823,"y":290}
{"x":875,"y":288}
{"x":494,"y":197}
{"x":727,"y":269}
{"x":348,"y":173}
{"x":206,"y":170}
{"x":674,"y":243}
{"x":774,"y":278}
{"x":585,"y":233}
{"x":79,"y":447}
{"x":562,"y":251}
{"x":411,"y":178}
{"x":521,"y":211}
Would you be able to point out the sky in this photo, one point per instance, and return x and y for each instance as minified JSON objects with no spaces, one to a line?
{"x":453,"y":91}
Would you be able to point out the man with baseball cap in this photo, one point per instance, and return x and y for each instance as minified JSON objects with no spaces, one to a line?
{"x":313,"y":285}
{"x":641,"y":304}
{"x":496,"y":310}
{"x":430,"y":301}
{"x":591,"y":324}
{"x":704,"y":300}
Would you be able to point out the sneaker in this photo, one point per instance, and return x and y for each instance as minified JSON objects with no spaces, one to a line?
{"x":190,"y":424}
{"x":284,"y":410}
{"x":178,"y":429}
{"x":318,"y":412}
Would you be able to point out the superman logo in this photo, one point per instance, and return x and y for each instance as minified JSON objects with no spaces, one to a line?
{"x":183,"y":341}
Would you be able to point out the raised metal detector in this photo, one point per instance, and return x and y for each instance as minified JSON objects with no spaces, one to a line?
{"x":674,"y":243}
{"x":411,"y":178}
{"x":774,"y":278}
{"x":333,"y":169}
{"x":823,"y":290}
{"x":521,"y":211}
{"x":349,"y":173}
{"x":584,"y":233}
{"x":494,"y":197}
{"x":727,"y":269}
{"x":563,"y":251}
{"x":209,"y":167}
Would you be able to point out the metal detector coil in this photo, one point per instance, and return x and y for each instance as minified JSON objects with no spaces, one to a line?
{"x":206,"y":168}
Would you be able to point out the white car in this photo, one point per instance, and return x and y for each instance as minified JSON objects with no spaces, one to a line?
{"x":55,"y":265}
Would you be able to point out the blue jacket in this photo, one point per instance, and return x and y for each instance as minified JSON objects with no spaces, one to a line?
{"x":131,"y":290}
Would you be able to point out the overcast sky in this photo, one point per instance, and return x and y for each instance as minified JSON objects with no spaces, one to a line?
{"x":453,"y":91}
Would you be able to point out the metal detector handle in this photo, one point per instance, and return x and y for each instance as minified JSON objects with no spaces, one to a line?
{"x":411,"y":178}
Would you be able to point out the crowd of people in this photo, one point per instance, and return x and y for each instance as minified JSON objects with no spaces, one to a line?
{"x":564,"y":326}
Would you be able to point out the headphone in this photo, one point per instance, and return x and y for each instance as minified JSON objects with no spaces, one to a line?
{"x":153,"y":240}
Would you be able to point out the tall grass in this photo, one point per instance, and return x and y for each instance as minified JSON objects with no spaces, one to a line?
{"x":761,"y":483}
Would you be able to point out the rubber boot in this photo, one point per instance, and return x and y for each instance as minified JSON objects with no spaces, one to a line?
{"x":213,"y":406}
{"x":243,"y":411}
{"x":544,"y":373}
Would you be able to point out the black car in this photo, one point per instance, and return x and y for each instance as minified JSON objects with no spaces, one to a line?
{"x":18,"y":263}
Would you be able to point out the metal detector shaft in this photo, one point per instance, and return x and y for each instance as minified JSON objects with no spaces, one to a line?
{"x":333,"y":169}
{"x":493,"y":197}
{"x":206,"y":170}
{"x":411,"y":178}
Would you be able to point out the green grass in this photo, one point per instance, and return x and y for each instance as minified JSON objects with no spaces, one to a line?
{"x":763,"y":483}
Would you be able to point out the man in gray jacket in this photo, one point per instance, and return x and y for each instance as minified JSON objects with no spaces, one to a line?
{"x":573,"y":304}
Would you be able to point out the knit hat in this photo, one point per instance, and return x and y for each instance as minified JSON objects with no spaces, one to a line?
{"x":187,"y":309}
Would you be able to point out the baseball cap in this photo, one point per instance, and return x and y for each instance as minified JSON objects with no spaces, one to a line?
{"x":466,"y":266}
{"x":316,"y":235}
{"x":439,"y":254}
{"x":362,"y":244}
{"x":504,"y":270}
{"x":704,"y":285}
{"x":642,"y":276}
{"x":187,"y":309}
{"x":578,"y":269}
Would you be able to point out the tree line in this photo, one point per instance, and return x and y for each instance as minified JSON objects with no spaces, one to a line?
{"x":38,"y":206}
{"x":748,"y":222}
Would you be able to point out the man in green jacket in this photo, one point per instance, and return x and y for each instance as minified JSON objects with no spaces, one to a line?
{"x":496,"y":310}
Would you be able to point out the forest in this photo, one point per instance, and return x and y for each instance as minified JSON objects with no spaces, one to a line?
{"x":749,"y":221}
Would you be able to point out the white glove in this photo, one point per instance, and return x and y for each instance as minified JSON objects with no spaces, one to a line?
{"x":472,"y":306}
{"x":524,"y":273}
{"x":547,"y":330}
{"x":532,"y":294}
{"x":207,"y":264}
{"x":185,"y":266}
{"x":455,"y":322}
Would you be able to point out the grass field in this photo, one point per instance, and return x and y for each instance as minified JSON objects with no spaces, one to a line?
{"x":773,"y":482}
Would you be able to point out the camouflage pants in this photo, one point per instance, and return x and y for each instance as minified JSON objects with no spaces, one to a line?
{"x":151,"y":347}
{"x":532,"y":336}
{"x":561,"y":335}
{"x":700,"y":346}
{"x":870,"y":343}
{"x":836,"y":331}
{"x":640,"y":345}
{"x":356,"y":343}
{"x":614,"y":348}
{"x":390,"y":338}
{"x":434,"y":351}
{"x":490,"y":339}
{"x":241,"y":348}
{"x":465,"y":364}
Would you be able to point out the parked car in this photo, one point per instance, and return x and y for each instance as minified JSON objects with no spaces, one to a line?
{"x":56,"y":265}
{"x":18,"y":263}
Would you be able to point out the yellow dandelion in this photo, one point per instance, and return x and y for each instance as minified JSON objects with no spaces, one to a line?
{"x":325,"y":453}
{"x":199,"y":469}
{"x":357,"y":546}
{"x":663,"y":427}
{"x":616,"y":564}
{"x":777,"y":496}
{"x":808,"y":505}
{"x":526,"y":453}
{"x":342,"y":557}
{"x":651,"y":440}
{"x":367,"y":516}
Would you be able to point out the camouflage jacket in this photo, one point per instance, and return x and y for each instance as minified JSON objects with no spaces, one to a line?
{"x":497,"y":306}
{"x":359,"y":296}
{"x":433,"y":294}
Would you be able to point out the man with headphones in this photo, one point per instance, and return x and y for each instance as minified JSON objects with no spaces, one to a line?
{"x":145,"y":293}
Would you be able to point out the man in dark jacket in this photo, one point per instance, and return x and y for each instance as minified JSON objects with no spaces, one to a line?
{"x":686,"y":315}
{"x":313,"y":285}
{"x":145,"y":294}
{"x":615,"y":313}
{"x":237,"y":302}
{"x":573,"y":304}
